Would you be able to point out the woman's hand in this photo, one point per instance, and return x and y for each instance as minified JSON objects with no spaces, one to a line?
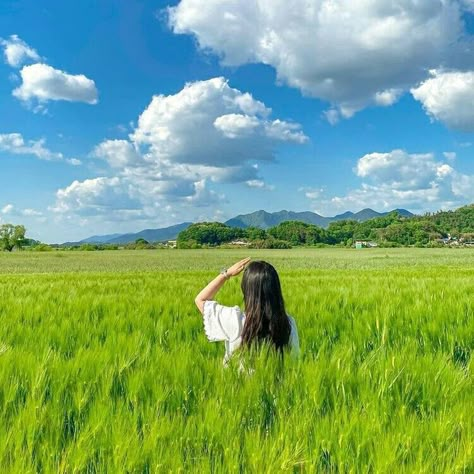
{"x":213,"y":287}
{"x":236,"y":268}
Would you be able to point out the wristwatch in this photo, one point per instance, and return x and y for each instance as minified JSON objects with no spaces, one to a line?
{"x":224,"y":273}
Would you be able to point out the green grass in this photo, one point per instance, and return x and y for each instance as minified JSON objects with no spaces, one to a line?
{"x":104,"y":366}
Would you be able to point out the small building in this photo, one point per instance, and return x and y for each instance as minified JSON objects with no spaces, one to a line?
{"x":240,"y":243}
{"x":365,"y":244}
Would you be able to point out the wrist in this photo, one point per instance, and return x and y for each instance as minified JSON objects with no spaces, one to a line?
{"x":225,"y":274}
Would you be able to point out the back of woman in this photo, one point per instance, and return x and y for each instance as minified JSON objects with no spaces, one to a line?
{"x":264,"y":320}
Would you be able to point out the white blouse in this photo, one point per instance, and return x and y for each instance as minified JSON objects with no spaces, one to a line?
{"x":225,"y":323}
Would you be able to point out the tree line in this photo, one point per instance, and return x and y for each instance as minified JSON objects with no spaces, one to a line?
{"x":392,"y":230}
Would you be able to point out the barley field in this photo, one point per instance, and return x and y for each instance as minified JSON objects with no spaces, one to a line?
{"x":104,"y":366}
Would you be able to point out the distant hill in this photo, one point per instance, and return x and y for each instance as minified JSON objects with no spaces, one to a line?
{"x":99,"y":239}
{"x":152,"y":235}
{"x":265,"y":220}
{"x":261,"y":219}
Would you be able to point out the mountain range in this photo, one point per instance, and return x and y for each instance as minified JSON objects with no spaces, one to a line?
{"x":264,"y":219}
{"x":150,"y":235}
{"x":261,"y":219}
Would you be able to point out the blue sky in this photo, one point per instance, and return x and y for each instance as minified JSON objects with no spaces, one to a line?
{"x":123,"y":115}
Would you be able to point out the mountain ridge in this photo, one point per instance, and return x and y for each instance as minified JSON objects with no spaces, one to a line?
{"x":261,"y":219}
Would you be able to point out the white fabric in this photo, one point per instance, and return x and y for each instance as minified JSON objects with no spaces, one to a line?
{"x":225,"y":323}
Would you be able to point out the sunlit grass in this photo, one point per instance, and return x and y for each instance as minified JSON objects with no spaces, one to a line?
{"x":104,"y":366}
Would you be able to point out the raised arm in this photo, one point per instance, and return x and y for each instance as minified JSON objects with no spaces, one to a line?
{"x":215,"y":285}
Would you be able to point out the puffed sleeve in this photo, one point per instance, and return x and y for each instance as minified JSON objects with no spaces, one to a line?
{"x":222,"y":323}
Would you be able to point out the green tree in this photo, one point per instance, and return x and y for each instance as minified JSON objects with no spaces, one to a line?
{"x":12,"y":236}
{"x":140,"y":244}
{"x":341,"y":232}
{"x":298,"y":233}
{"x":255,"y":233}
{"x":209,"y":233}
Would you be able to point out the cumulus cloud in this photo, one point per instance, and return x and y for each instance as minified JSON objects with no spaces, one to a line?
{"x":186,"y":143}
{"x":236,"y":125}
{"x":449,"y":98}
{"x":17,"y":52}
{"x":397,"y":179}
{"x":399,"y":169}
{"x":118,"y":153}
{"x":349,"y":52}
{"x":15,"y":143}
{"x":210,"y":123}
{"x":43,"y":83}
{"x":95,"y":196}
{"x":13,"y":211}
{"x":388,"y":97}
{"x":203,"y":196}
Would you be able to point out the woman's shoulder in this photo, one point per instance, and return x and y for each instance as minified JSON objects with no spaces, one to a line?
{"x":214,"y":306}
{"x":221,"y":322}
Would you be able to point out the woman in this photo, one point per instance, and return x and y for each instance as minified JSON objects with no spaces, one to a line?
{"x":264,"y":319}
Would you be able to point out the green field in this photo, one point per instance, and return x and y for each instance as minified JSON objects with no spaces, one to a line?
{"x":104,"y":366}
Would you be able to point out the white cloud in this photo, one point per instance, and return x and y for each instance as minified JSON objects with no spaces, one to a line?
{"x":284,"y":131}
{"x":203,"y":196}
{"x":43,"y":83}
{"x":450,"y":155}
{"x":399,"y":169}
{"x":463,"y":185}
{"x":12,"y":211}
{"x":14,"y":143}
{"x":259,"y":184}
{"x":388,"y":97}
{"x":118,"y":153}
{"x":17,"y":52}
{"x":31,"y":213}
{"x":449,"y":98}
{"x":348,"y":52}
{"x":312,"y":193}
{"x":183,"y":145}
{"x":74,"y":161}
{"x":95,"y":196}
{"x":236,"y":125}
{"x":332,"y":116}
{"x":210,"y":123}
{"x":398,"y":179}
{"x":7,"y":209}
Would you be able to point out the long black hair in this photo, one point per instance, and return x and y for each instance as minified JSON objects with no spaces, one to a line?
{"x":265,"y":316}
